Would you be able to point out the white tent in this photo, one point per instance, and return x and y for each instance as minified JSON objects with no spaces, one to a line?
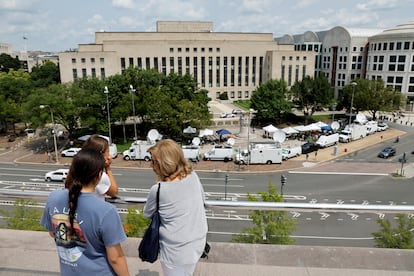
{"x":313,"y":127}
{"x":205,"y":132}
{"x":321,"y":124}
{"x":190,"y":130}
{"x":270,"y":128}
{"x":301,"y":128}
{"x":289,"y":130}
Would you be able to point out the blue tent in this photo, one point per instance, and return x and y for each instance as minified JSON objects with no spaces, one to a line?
{"x":222,"y":131}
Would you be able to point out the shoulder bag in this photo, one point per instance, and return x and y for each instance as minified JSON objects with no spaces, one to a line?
{"x":150,"y":244}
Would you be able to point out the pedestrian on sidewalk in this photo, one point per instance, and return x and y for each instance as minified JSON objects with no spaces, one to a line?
{"x":307,"y":156}
{"x":316,"y":154}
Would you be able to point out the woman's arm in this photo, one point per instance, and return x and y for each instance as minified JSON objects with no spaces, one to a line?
{"x":113,"y":188}
{"x":117,"y":259}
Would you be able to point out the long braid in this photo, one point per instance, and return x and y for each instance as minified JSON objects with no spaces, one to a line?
{"x":74,"y":193}
{"x":87,"y":165}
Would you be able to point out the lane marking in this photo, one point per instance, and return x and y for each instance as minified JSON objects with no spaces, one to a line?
{"x":336,"y":173}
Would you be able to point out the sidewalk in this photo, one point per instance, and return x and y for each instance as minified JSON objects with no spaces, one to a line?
{"x":18,"y":153}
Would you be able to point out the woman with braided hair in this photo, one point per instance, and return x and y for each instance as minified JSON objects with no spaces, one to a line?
{"x":87,"y":230}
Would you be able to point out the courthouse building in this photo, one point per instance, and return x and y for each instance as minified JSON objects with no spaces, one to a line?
{"x":220,"y":62}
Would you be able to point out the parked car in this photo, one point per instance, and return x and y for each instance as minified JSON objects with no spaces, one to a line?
{"x":387,"y":152}
{"x":70,"y":152}
{"x":309,"y":147}
{"x":58,"y":175}
{"x":227,"y":115}
{"x":237,"y":111}
{"x":382,"y":126}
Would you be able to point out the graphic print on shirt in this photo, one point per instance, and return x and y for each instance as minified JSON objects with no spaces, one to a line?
{"x":69,"y":245}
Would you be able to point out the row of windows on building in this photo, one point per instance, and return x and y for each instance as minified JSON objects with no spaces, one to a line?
{"x":342,"y":62}
{"x":227,"y":71}
{"x":232,"y":94}
{"x":92,"y":60}
{"x":395,"y":63}
{"x":392,"y":46}
{"x":85,"y":73}
{"x":195,"y":50}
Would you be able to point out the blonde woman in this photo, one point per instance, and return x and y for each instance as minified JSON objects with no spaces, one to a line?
{"x":183,"y":228}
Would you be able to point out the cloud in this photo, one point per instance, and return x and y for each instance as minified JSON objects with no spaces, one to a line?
{"x":377,"y":5}
{"x":126,"y":4}
{"x":173,"y":10}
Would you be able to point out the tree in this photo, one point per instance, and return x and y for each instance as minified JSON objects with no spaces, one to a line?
{"x":15,"y":86}
{"x":399,"y":237}
{"x":7,"y":63}
{"x":311,"y":93}
{"x":24,"y":216}
{"x":270,"y":100}
{"x":70,"y":107}
{"x":135,"y":223}
{"x":45,"y":74}
{"x":272,"y":227}
{"x":373,"y":96}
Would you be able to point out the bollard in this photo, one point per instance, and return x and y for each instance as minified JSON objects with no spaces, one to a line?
{"x":345,"y":150}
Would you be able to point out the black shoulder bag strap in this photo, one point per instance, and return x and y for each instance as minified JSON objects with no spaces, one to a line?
{"x":158,"y":197}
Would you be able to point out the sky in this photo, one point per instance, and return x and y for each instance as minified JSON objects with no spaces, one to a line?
{"x":58,"y":25}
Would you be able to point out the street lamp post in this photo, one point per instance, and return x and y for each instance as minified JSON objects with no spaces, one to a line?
{"x":132,"y":91}
{"x":106,"y":91}
{"x":54,"y":130}
{"x":352,"y":101}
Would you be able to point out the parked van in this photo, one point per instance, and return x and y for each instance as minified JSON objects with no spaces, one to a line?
{"x":291,"y":152}
{"x":138,"y":151}
{"x":328,"y":140}
{"x":222,"y":153}
{"x":191,"y":153}
{"x":372,"y":127}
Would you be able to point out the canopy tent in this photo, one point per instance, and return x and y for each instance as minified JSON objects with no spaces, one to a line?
{"x":86,"y":137}
{"x":289,"y":130}
{"x":223,"y":131}
{"x":205,"y":132}
{"x":190,"y":130}
{"x":270,"y":128}
{"x":301,"y":128}
{"x":313,"y":127}
{"x":321,"y":124}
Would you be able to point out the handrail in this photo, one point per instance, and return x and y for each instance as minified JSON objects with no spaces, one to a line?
{"x":258,"y":205}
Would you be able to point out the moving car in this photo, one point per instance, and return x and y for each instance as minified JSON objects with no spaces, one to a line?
{"x":387,"y":152}
{"x":309,"y":147}
{"x":58,"y":175}
{"x":70,"y":152}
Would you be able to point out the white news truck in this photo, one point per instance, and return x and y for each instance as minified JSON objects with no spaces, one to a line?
{"x":260,"y":153}
{"x":138,"y":151}
{"x":353,"y":132}
{"x":191,"y":153}
{"x":328,"y":140}
{"x":221,"y":153}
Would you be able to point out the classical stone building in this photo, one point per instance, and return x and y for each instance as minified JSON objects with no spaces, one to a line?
{"x":235,"y":63}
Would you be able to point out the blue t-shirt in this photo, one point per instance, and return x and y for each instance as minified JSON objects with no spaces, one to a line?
{"x":97,"y":225}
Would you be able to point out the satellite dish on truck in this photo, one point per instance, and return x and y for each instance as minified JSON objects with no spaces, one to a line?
{"x":335,"y":125}
{"x":153,"y":135}
{"x":196,"y":141}
{"x":231,"y":141}
{"x":361,"y":118}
